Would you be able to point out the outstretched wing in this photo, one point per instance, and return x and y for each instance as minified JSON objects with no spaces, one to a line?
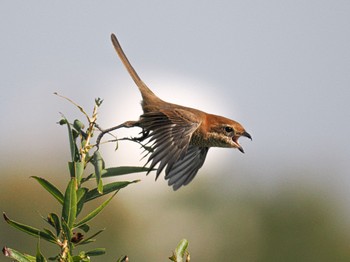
{"x":170,"y":133}
{"x":185,"y":169}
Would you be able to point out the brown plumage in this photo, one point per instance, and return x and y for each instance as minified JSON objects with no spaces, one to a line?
{"x":181,"y":136}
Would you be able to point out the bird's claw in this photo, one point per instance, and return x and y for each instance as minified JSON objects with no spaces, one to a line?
{"x":142,"y":137}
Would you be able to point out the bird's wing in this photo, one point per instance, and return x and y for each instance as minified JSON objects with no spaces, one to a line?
{"x":185,"y":169}
{"x":170,"y":133}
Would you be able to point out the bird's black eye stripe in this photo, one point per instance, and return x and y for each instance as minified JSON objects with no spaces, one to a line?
{"x":228,"y":129}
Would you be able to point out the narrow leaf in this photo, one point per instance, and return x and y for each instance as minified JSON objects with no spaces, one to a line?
{"x":118,"y":171}
{"x":99,"y":166}
{"x":81,"y":195}
{"x":55,"y":258}
{"x":79,"y":169}
{"x":123,"y":170}
{"x":56,"y":193}
{"x":96,"y":252}
{"x":54,"y":221}
{"x":30,"y":230}
{"x":84,"y":179}
{"x":95,"y":212}
{"x":92,"y":194}
{"x":53,"y":236}
{"x":181,"y":248}
{"x":72,"y":144}
{"x":18,"y":256}
{"x":39,"y":256}
{"x":86,"y":242}
{"x":69,"y":210}
{"x":80,"y":258}
{"x":90,"y":239}
{"x":84,"y":227}
{"x":71,"y":169}
{"x":76,"y":169}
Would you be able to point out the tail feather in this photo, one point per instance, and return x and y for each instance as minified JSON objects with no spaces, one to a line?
{"x":146,"y":93}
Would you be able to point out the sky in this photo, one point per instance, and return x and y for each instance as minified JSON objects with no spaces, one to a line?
{"x":280,"y":68}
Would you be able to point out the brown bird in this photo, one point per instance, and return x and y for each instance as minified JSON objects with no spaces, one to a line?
{"x":180,"y":136}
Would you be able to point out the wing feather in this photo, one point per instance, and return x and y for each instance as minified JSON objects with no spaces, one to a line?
{"x":184,"y":170}
{"x":170,"y":134}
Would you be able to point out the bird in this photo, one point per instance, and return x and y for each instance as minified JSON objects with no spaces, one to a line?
{"x":180,"y":136}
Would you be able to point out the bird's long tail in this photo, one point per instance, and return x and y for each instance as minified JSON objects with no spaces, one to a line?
{"x":146,"y":93}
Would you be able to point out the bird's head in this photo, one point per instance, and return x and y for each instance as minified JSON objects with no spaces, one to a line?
{"x":224,"y":132}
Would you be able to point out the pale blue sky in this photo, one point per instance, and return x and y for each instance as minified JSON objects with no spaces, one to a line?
{"x":281,"y":68}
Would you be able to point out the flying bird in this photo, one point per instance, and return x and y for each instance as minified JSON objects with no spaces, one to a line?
{"x":180,"y":136}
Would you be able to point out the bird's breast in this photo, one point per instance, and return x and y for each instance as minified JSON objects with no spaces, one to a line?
{"x":204,"y":140}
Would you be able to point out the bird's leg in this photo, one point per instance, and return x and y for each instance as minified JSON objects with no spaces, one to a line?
{"x":142,"y":137}
{"x":126,"y":124}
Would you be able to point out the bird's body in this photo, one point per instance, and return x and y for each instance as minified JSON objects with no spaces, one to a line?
{"x":181,"y":135}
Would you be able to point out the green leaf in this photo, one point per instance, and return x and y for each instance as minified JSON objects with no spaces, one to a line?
{"x":76,"y":169}
{"x":88,"y":158}
{"x":50,"y":233}
{"x":81,"y":195}
{"x":79,"y":170}
{"x":180,"y":251}
{"x":18,"y":256}
{"x":71,"y":169}
{"x":96,"y":252}
{"x":72,"y":144}
{"x":90,"y":239}
{"x":69,"y":210}
{"x":92,"y":194}
{"x":87,"y":178}
{"x":30,"y":230}
{"x":39,"y":256}
{"x":84,"y":227}
{"x":123,"y":170}
{"x":62,"y":122}
{"x":54,"y":221}
{"x":181,"y":248}
{"x":118,"y":171}
{"x":78,"y":125}
{"x":55,"y":258}
{"x":99,"y":166}
{"x":95,"y":212}
{"x":50,"y":188}
{"x":80,"y":258}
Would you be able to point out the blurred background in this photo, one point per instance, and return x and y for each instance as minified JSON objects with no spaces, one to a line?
{"x":281,"y":68}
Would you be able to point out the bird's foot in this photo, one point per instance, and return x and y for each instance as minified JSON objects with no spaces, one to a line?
{"x":126,"y":124}
{"x":142,"y":137}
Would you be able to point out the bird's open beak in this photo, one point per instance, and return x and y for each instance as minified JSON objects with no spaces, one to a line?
{"x":240,"y":148}
{"x":237,"y":145}
{"x":235,"y":139}
{"x":246,"y":134}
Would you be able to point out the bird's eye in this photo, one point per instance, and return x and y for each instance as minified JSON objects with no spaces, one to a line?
{"x":228,"y":129}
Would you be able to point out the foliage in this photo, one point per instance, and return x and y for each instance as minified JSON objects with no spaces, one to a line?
{"x":69,"y":230}
{"x":181,"y":252}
